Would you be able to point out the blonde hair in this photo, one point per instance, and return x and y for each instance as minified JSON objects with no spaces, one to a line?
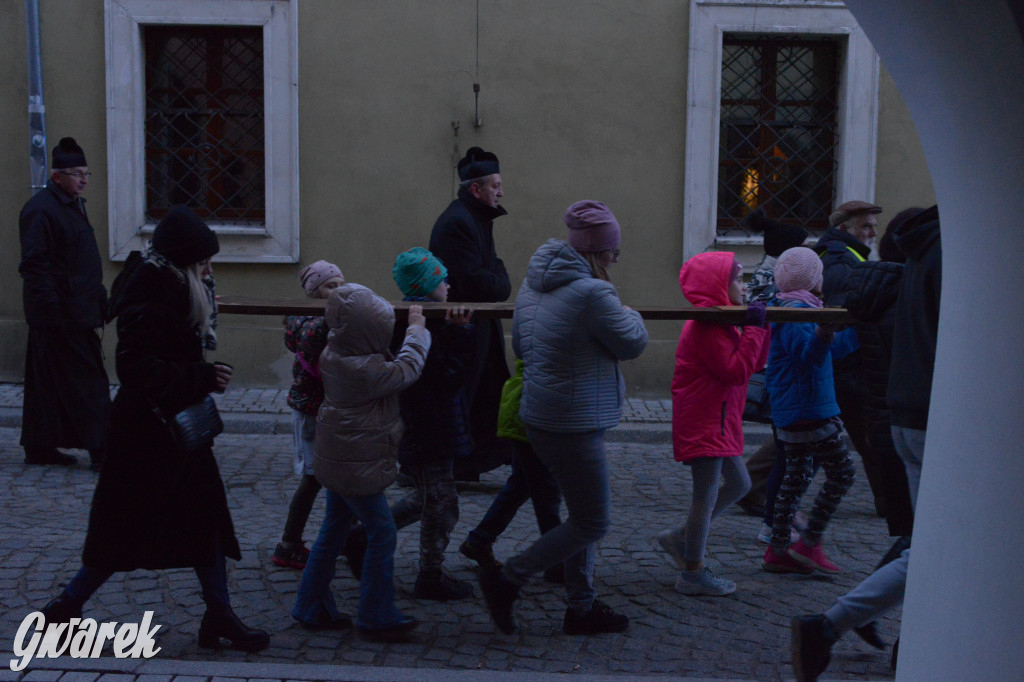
{"x":594,"y":259}
{"x":199,"y":306}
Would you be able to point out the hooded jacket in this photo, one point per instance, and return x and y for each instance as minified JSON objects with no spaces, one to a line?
{"x":714,"y":362}
{"x":571,"y":330}
{"x":917,"y":321}
{"x":359,"y":427}
{"x":306,"y":336}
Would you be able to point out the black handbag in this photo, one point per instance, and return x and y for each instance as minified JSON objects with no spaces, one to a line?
{"x":195,"y":427}
{"x":758,"y":408}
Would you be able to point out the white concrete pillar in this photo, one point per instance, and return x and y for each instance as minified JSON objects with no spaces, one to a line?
{"x":960,"y":67}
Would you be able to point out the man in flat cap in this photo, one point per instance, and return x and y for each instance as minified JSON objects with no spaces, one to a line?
{"x":463,"y":239}
{"x":67,"y":394}
{"x":845,"y":248}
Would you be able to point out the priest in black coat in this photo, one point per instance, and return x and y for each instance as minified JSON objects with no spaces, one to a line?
{"x":464,"y":241}
{"x":67,"y":393}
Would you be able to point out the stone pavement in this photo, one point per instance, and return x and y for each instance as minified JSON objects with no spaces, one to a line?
{"x":741,"y":637}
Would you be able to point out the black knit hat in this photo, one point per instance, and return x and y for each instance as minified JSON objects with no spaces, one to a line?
{"x":67,"y":154}
{"x":477,"y":164}
{"x":777,"y":236}
{"x":182,"y":238}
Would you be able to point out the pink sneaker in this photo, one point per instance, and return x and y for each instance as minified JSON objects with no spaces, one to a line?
{"x":783,"y":563}
{"x":812,"y":557}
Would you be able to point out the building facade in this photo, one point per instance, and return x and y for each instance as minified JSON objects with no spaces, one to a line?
{"x":309,"y":129}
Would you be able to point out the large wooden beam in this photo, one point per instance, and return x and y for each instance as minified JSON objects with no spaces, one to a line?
{"x":234,"y":305}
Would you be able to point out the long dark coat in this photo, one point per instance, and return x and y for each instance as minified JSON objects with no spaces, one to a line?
{"x":156,"y":507}
{"x":463,"y":238}
{"x":67,"y":393}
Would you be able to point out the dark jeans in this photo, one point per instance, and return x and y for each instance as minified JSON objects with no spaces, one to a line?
{"x":212,"y":579}
{"x":530,"y":479}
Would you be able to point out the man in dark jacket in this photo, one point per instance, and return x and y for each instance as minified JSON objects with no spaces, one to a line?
{"x":845,"y":245}
{"x":464,"y":241}
{"x":909,"y":397}
{"x":67,"y":394}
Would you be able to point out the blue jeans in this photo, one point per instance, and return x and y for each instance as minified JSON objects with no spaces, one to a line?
{"x":377,"y":588}
{"x":578,"y":463}
{"x":531,"y":480}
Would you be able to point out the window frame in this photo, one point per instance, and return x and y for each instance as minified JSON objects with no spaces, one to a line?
{"x":278,"y":240}
{"x":856,"y":156}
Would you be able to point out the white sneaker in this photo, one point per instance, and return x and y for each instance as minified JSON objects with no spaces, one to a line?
{"x":704,"y":582}
{"x":765,"y":534}
{"x":672,"y":542}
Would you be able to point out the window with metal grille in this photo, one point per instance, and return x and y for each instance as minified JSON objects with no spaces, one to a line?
{"x":777,"y":144}
{"x":204,"y":122}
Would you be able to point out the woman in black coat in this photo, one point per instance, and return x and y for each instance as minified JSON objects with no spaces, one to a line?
{"x":156,"y":506}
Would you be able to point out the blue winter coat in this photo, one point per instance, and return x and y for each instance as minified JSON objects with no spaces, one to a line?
{"x":571,"y":330}
{"x":799,"y":373}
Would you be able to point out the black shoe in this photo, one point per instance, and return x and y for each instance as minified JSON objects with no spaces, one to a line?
{"x":869,"y":633}
{"x":467,"y":477}
{"x":439,"y":586}
{"x":500,"y":593}
{"x":96,"y":459}
{"x":49,"y":457}
{"x":555,"y":574}
{"x":811,"y":646}
{"x":483,"y":556}
{"x":61,"y":609}
{"x":325,"y":622}
{"x":226,"y":625}
{"x":600,"y":618}
{"x":355,"y":551}
{"x":752,"y":507}
{"x":405,"y":481}
{"x":393,"y":633}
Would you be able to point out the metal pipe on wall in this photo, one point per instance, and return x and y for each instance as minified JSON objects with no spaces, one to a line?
{"x":36,"y":108}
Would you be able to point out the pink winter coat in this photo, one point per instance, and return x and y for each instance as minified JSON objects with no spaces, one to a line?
{"x":714,"y":362}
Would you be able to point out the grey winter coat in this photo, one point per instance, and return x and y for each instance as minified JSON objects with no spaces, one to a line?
{"x":571,"y":330}
{"x":358,"y":428}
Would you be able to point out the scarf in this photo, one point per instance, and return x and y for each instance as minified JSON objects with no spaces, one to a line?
{"x":208,"y":340}
{"x":801,"y":295}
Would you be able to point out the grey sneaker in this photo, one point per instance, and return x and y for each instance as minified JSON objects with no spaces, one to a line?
{"x":704,"y":582}
{"x":672,"y":542}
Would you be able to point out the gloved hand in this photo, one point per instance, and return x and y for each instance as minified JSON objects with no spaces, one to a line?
{"x":756,"y":314}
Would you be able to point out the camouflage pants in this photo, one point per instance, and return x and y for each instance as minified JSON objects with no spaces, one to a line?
{"x":434,"y":502}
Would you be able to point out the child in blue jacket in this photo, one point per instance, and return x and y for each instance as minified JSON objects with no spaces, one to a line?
{"x":806,"y":416}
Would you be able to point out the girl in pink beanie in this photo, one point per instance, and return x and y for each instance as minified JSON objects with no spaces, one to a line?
{"x":806,"y":416}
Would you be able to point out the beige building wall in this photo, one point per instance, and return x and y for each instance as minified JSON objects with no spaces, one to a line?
{"x":582,"y":100}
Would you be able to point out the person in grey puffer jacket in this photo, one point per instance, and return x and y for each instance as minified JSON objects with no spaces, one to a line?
{"x":357,"y":434}
{"x":571,"y":330}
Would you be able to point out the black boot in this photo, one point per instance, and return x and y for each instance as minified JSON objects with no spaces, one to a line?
{"x":61,"y":609}
{"x":597,"y":619}
{"x":500,"y":593}
{"x":49,"y":457}
{"x":436,"y":585}
{"x":811,"y":646}
{"x":225,"y":624}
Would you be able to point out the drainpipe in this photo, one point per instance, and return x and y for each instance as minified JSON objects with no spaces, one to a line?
{"x":36,"y":109}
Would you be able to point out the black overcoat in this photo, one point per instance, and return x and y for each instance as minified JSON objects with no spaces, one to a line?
{"x":463,"y":238}
{"x":156,"y":507}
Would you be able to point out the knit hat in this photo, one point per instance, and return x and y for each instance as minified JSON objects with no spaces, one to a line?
{"x":592,"y":227}
{"x":182,"y":238}
{"x":851,"y":209}
{"x":798,"y":269}
{"x":418,"y":272}
{"x":315,"y":274}
{"x":777,"y":236}
{"x":67,"y":154}
{"x":477,"y":164}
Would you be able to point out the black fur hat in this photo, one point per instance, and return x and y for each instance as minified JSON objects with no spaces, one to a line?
{"x":777,"y":236}
{"x":477,"y":163}
{"x":67,"y":154}
{"x":183,"y":238}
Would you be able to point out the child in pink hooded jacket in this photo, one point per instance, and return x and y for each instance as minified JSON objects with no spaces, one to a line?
{"x":714,"y":362}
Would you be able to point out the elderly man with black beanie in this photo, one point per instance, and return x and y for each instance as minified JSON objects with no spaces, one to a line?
{"x":463,"y":239}
{"x":67,"y":393}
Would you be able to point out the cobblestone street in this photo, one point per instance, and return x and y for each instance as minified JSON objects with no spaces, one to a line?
{"x":743,"y":636}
